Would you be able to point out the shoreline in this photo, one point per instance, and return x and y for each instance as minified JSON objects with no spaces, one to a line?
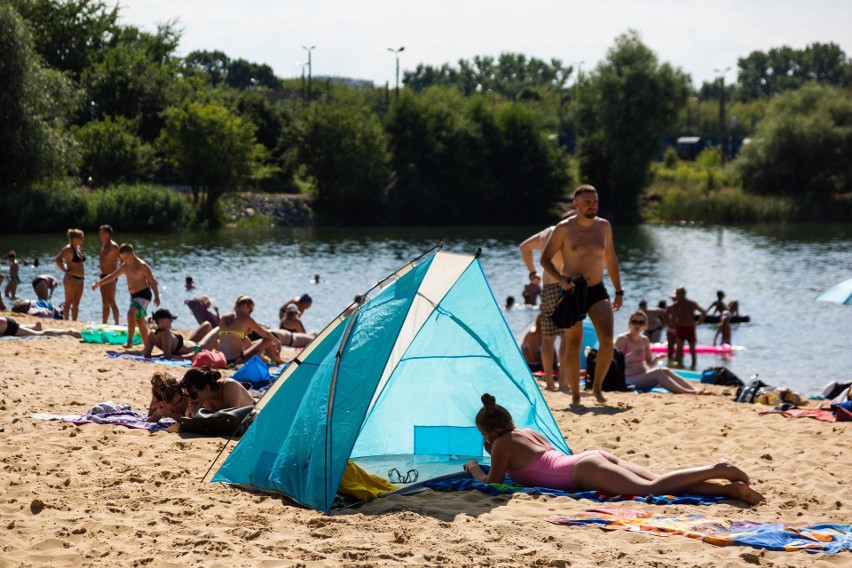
{"x":89,"y":494}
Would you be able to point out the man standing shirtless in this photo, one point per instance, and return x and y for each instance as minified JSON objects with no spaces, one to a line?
{"x":140,"y":283}
{"x":584,"y":243}
{"x":682,"y":313}
{"x":549,"y":295}
{"x":109,"y":262}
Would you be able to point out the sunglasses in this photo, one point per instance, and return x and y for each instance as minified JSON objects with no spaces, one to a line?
{"x":189,"y":393}
{"x":638,"y":322}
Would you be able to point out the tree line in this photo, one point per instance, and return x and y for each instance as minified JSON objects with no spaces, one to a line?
{"x":90,"y":106}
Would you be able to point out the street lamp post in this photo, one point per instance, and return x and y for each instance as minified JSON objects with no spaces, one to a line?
{"x":396,"y":54}
{"x":723,"y":135}
{"x":310,"y":70}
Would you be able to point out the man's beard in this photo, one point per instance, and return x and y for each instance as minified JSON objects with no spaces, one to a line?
{"x":590,"y":215}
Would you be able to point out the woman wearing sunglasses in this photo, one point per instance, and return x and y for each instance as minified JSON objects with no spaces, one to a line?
{"x":639,"y":361}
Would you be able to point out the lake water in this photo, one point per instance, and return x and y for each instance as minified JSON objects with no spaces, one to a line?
{"x":775,"y":271}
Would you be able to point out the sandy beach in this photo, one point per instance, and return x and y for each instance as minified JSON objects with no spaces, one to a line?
{"x":95,"y":495}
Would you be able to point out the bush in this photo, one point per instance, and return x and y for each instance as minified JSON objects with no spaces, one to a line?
{"x":727,"y":205}
{"x":53,"y":206}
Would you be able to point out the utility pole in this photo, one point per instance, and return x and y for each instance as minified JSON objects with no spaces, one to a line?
{"x":310,"y":71}
{"x":396,"y":54}
{"x":723,"y":134}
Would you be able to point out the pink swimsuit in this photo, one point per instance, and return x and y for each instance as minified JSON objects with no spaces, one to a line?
{"x":551,"y":469}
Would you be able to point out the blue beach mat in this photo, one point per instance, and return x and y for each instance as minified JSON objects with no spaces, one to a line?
{"x":141,"y":359}
{"x":466,"y":483}
{"x":826,"y":538}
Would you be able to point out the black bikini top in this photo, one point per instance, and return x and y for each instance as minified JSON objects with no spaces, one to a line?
{"x":77,"y":257}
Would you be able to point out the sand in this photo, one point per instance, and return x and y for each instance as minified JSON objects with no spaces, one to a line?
{"x":95,"y":495}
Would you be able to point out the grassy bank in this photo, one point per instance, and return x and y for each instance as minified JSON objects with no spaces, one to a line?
{"x":59,"y":205}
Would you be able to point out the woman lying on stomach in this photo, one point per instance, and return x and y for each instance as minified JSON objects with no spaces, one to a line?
{"x":206,"y":388}
{"x":530,"y":460}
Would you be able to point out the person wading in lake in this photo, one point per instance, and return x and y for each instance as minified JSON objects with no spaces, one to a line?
{"x":584,"y":243}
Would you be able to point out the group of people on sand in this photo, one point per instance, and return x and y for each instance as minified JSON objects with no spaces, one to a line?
{"x":573,"y":255}
{"x":200,"y":387}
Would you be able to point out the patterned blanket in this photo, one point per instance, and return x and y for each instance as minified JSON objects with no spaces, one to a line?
{"x":828,"y":538}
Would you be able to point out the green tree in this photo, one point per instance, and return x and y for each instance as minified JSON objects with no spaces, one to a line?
{"x":112,"y":153}
{"x":529,"y":168}
{"x":139,"y":77}
{"x":211,"y":147}
{"x":803,"y":145}
{"x":766,"y":74}
{"x":34,"y":103}
{"x":623,"y":109}
{"x":68,"y":34}
{"x":344,"y":150}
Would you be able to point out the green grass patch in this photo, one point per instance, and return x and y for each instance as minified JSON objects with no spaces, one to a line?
{"x":52,"y":206}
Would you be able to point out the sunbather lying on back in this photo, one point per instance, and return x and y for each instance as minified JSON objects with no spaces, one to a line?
{"x":11,"y":328}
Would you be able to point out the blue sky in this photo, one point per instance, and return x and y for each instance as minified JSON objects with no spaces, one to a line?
{"x":352,"y":38}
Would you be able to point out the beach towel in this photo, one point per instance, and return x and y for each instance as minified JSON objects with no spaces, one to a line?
{"x":140,"y":358}
{"x":128,"y":419}
{"x":466,"y":483}
{"x":362,"y":485}
{"x":823,"y":414}
{"x":827,"y":538}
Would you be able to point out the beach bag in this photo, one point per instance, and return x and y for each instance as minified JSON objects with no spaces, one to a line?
{"x":225,"y":422}
{"x":254,"y":372}
{"x":212,"y":359}
{"x":614,"y":380}
{"x":720,"y":376}
{"x":748,"y":393}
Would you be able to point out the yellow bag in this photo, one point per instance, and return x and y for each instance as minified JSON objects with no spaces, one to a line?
{"x":362,"y":485}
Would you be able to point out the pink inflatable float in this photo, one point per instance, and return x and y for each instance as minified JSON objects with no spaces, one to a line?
{"x":723,"y":349}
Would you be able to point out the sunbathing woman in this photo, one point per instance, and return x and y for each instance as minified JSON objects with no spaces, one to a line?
{"x":639,"y":361}
{"x":530,"y":460}
{"x":170,"y":343}
{"x":292,"y":319}
{"x":206,"y":388}
{"x":70,"y":261}
{"x":167,"y":400}
{"x":236,"y":325}
{"x":11,"y":328}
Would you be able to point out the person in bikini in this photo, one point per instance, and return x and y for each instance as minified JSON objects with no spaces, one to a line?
{"x":44,"y":285}
{"x":12,"y":286}
{"x":292,"y":320}
{"x":584,"y":243}
{"x":206,"y":388}
{"x":529,"y":459}
{"x":108,"y":262}
{"x":167,"y":398}
{"x":639,"y":361}
{"x":9,"y":327}
{"x":141,"y":284}
{"x":70,"y":261}
{"x":235,"y":325}
{"x":170,"y":343}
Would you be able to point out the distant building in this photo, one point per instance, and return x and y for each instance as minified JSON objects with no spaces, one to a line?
{"x":688,"y":147}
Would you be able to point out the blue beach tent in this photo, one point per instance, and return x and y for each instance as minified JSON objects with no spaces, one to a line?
{"x":394,"y":386}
